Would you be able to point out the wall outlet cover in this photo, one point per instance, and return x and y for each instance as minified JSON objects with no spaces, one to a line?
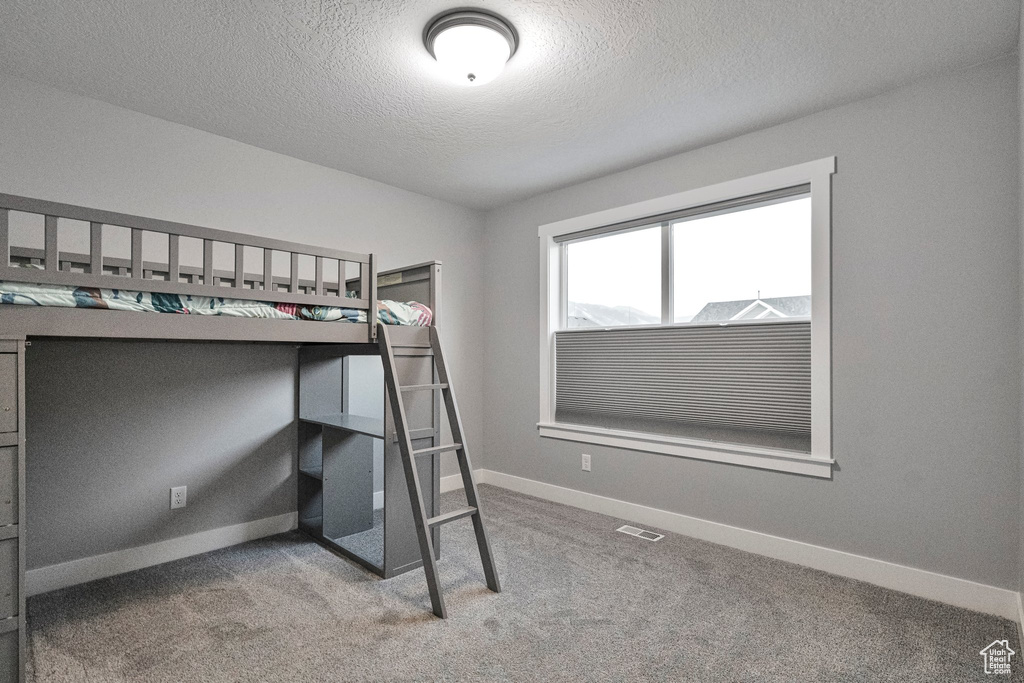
{"x":179,"y":497}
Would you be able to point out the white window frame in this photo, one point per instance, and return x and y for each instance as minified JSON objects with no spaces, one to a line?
{"x":552,"y":275}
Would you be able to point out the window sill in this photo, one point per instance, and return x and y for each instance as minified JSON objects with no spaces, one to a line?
{"x":734,"y":454}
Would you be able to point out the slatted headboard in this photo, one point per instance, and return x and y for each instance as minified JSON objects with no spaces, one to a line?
{"x":94,"y":269}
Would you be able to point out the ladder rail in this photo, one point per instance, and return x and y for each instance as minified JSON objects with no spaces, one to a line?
{"x":423,"y":531}
{"x":465,"y":466}
{"x":426,"y":526}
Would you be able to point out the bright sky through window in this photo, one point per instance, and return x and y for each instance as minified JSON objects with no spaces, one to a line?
{"x":615,"y":280}
{"x":762,"y":252}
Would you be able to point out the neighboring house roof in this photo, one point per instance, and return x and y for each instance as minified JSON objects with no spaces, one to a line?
{"x":754,"y":309}
{"x":597,"y":315}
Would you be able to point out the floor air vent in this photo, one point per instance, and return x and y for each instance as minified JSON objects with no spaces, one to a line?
{"x":640,"y":533}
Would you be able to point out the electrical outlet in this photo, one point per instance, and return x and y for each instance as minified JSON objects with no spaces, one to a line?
{"x":586,"y":462}
{"x":179,"y":495}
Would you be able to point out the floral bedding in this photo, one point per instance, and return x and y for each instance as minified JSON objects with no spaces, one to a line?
{"x":388,"y":312}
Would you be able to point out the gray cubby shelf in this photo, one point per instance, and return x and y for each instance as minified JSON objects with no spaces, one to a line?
{"x":357,"y":424}
{"x":352,"y":495}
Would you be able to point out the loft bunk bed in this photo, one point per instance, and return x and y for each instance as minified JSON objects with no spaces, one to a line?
{"x":94,"y":288}
{"x":91,"y":269}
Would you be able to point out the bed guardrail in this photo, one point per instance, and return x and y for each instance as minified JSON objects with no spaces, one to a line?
{"x":94,"y":269}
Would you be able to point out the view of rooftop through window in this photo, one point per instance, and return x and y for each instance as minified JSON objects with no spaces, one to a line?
{"x":752,"y":264}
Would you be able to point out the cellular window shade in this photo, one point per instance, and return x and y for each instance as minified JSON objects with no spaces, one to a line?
{"x":750,"y":379}
{"x":702,"y":211}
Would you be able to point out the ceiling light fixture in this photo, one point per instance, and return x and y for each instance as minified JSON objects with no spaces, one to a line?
{"x":470,"y":45}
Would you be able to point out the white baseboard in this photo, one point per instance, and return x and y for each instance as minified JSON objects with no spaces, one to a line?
{"x":56,"y":576}
{"x":948,"y":589}
{"x":1020,"y":620}
{"x":453,"y":482}
{"x":46,"y":579}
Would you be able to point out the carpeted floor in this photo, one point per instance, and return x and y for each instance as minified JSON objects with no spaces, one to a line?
{"x":580,"y":602}
{"x":368,"y":544}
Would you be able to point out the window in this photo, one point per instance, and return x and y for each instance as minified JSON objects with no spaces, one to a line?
{"x":696,"y":324}
{"x":614,"y":279}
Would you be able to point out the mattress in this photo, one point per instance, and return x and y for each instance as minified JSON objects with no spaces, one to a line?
{"x":66,"y":296}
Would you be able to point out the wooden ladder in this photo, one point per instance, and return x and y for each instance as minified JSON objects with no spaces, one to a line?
{"x":423,"y":523}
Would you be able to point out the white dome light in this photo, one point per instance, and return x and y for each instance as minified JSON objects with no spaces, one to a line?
{"x":471,"y":55}
{"x":470,"y":46}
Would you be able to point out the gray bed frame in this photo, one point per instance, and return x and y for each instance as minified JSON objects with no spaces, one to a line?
{"x":332,"y":340}
{"x":94,"y":269}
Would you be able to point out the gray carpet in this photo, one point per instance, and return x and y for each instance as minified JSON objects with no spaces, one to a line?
{"x":368,"y":544}
{"x":580,"y":602}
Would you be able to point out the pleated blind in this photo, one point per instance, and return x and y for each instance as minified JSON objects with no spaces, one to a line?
{"x":702,"y":211}
{"x":744,"y":377}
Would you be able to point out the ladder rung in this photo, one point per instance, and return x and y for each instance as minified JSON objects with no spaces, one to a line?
{"x":423,"y":387}
{"x":411,"y":346}
{"x":451,"y":516}
{"x":438,"y":449}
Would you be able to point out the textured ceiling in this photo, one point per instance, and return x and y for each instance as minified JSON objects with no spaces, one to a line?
{"x":596,"y":86}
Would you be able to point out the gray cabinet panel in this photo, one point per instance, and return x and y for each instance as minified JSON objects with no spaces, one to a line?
{"x":8,"y":392}
{"x":8,"y":485}
{"x":348,"y":483}
{"x":9,"y":657}
{"x":8,"y":578}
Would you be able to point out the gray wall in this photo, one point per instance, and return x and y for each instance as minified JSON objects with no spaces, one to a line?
{"x":364,"y":395}
{"x":114,"y":425}
{"x":927,"y":364}
{"x":62,"y":147}
{"x":1020,"y":198}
